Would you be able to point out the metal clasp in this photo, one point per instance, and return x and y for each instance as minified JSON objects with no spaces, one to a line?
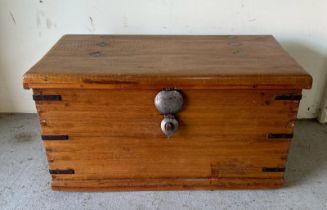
{"x":169,"y":101}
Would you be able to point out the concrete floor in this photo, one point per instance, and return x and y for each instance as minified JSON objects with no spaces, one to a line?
{"x":24,"y":178}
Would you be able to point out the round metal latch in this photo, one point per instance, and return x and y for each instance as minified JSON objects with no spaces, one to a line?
{"x":169,"y":125}
{"x":169,"y":102}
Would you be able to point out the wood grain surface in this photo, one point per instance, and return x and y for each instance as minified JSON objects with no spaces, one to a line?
{"x":147,"y":62}
{"x":115,"y":141}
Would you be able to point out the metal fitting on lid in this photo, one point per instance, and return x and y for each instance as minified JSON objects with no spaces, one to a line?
{"x":169,"y":125}
{"x":169,"y":101}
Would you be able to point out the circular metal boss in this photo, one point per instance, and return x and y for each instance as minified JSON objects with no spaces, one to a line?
{"x":169,"y":125}
{"x":169,"y":101}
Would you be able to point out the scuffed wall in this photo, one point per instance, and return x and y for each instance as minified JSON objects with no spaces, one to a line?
{"x":30,"y":27}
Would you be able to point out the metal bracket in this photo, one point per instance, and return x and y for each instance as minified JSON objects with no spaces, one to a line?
{"x":62,"y":171}
{"x":47,"y":97}
{"x":280,"y":135}
{"x":54,"y":137}
{"x":289,"y":97}
{"x":266,"y":169}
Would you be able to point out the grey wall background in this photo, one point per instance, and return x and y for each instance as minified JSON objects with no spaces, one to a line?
{"x":30,"y":27}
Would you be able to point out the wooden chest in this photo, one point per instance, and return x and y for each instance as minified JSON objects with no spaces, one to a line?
{"x":166,"y":112}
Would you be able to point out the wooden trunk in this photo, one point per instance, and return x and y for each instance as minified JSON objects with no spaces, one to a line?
{"x":95,"y":99}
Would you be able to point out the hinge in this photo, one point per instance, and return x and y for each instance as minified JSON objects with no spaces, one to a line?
{"x":62,"y":171}
{"x":273,"y":169}
{"x":54,"y":137}
{"x":289,"y":97}
{"x":280,"y":135}
{"x":47,"y":97}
